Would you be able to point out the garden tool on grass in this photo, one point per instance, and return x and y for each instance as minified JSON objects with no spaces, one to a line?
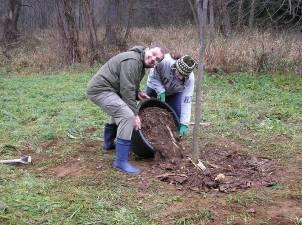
{"x":26,"y":159}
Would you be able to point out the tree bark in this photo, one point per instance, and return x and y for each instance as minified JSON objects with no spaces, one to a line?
{"x":154,"y":13}
{"x":116,"y":33}
{"x":68,"y":31}
{"x":93,"y":41}
{"x":199,"y":80}
{"x":252,"y":14}
{"x":240,"y":14}
{"x":212,"y":18}
{"x":10,"y":23}
{"x":130,"y":4}
{"x":226,"y":17}
{"x":112,"y":22}
{"x":205,"y":16}
{"x":193,"y":9}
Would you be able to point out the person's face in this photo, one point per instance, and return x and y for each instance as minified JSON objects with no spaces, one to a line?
{"x":178,"y":75}
{"x":153,"y":56}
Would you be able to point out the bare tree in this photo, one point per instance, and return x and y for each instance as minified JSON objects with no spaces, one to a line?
{"x":93,"y":41}
{"x":240,"y":14}
{"x":10,"y":29}
{"x":155,"y":13}
{"x":193,"y":7}
{"x":212,"y":18}
{"x":117,"y":30}
{"x":68,"y":31}
{"x":112,"y":22}
{"x":199,"y":80}
{"x":252,"y":14}
{"x":205,"y":16}
{"x":225,"y":17}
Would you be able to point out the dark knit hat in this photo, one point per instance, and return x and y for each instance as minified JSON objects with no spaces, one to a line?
{"x":185,"y":65}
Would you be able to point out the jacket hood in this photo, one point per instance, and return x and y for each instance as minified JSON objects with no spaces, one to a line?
{"x":138,"y":48}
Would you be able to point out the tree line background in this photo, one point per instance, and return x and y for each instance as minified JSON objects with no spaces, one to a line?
{"x":92,"y":30}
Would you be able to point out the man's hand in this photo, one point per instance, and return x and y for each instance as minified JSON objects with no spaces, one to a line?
{"x":161,"y":96}
{"x":183,"y":129}
{"x":137,"y":123}
{"x":142,"y":96}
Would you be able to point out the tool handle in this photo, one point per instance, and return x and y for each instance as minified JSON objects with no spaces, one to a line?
{"x":11,"y":161}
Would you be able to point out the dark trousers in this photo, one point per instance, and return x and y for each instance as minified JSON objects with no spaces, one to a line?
{"x":174,"y":101}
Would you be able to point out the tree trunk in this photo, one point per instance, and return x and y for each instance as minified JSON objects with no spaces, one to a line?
{"x":240,"y":14}
{"x":10,"y":23}
{"x":205,"y":16}
{"x":112,"y":22}
{"x":93,"y":41}
{"x":199,"y":80}
{"x":68,"y":31}
{"x":226,"y":17}
{"x":154,"y":13}
{"x":212,"y":18}
{"x":130,"y":4}
{"x":193,"y":9}
{"x":252,"y":14}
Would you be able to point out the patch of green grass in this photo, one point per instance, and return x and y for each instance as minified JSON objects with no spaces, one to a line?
{"x":256,"y":110}
{"x":41,"y":201}
{"x":38,"y":108}
{"x":202,"y":216}
{"x":244,"y":218}
{"x":248,"y":198}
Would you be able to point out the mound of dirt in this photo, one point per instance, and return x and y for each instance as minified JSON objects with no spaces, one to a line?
{"x":159,"y":128}
{"x":223,"y":169}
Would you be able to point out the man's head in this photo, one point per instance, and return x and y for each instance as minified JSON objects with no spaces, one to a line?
{"x":185,"y":65}
{"x":154,"y":54}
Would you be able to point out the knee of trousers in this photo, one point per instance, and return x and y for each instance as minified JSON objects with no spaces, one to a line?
{"x":125,"y":127}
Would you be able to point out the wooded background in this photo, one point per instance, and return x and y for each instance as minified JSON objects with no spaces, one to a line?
{"x":110,"y":23}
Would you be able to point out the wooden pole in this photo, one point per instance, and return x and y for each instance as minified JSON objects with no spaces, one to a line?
{"x":198,"y":84}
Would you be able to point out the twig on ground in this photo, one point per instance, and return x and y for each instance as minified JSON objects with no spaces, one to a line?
{"x":198,"y":165}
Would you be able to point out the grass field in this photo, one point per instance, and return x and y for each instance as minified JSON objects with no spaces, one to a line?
{"x":71,"y":181}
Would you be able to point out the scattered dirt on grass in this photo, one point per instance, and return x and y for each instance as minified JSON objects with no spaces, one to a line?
{"x":299,"y":157}
{"x":281,"y":138}
{"x":226,"y":170}
{"x":71,"y":169}
{"x":85,"y":161}
{"x":280,"y":212}
{"x":223,"y":142}
{"x":54,"y":143}
{"x":92,"y":144}
{"x":90,"y":130}
{"x":286,"y":209}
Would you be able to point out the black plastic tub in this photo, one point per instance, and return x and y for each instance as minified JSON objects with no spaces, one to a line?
{"x":140,"y":145}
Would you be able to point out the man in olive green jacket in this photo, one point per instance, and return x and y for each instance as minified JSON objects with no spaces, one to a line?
{"x":115,"y":88}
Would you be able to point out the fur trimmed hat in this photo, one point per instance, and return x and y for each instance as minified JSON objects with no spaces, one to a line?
{"x":185,"y":65}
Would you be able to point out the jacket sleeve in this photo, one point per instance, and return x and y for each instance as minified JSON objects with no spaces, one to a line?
{"x":186,"y":100}
{"x":130,"y":74}
{"x":154,"y":80}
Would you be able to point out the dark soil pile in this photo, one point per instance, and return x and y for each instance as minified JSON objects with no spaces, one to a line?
{"x":222,"y":169}
{"x":161,"y":131}
{"x":226,"y":171}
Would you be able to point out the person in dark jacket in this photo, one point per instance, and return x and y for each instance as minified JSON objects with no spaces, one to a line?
{"x":115,"y":88}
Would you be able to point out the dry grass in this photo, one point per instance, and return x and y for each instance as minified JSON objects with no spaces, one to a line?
{"x":249,"y":51}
